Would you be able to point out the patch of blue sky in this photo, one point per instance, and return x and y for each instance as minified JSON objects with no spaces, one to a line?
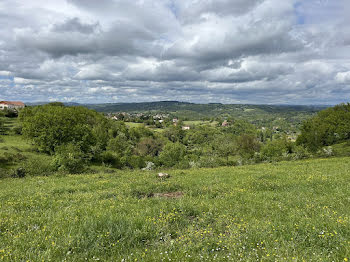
{"x":319,"y":11}
{"x":173,"y":8}
{"x":7,"y":77}
{"x":299,"y":14}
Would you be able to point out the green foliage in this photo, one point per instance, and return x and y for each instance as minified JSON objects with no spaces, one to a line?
{"x":50,"y":126}
{"x":247,"y":146}
{"x":240,"y":127}
{"x":134,"y":162}
{"x":39,"y":166}
{"x":70,"y":158}
{"x":10,"y":158}
{"x":18,"y":173}
{"x":110,"y":159}
{"x":328,"y":127}
{"x":119,"y":145}
{"x":175,"y":134}
{"x":148,"y":147}
{"x":172,"y":154}
{"x":224,"y":145}
{"x":276,"y":150}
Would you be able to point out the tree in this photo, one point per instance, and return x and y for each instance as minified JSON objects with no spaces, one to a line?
{"x":148,"y":147}
{"x":328,"y":127}
{"x":172,"y":154}
{"x":247,"y":145}
{"x":224,"y":145}
{"x":50,"y":126}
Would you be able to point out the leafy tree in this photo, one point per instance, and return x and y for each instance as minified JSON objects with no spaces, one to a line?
{"x":239,"y":127}
{"x":175,"y":134}
{"x":172,"y":154}
{"x":247,"y":145}
{"x":148,"y":147}
{"x":277,"y":149}
{"x":120,"y":145}
{"x":328,"y":127}
{"x":50,"y":126}
{"x":70,"y":158}
{"x":224,"y":145}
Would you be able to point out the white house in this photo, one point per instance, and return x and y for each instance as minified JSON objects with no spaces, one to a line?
{"x":11,"y":105}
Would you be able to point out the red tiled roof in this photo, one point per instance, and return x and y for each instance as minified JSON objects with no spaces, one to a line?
{"x":15,"y":103}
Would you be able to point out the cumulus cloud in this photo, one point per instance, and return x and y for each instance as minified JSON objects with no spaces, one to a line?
{"x":229,"y":51}
{"x":343,"y":77}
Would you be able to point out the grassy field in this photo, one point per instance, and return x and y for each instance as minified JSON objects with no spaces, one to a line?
{"x":290,"y":211}
{"x":198,"y":123}
{"x":133,"y":124}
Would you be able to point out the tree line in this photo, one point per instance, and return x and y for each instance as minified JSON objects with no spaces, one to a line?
{"x":76,"y":137}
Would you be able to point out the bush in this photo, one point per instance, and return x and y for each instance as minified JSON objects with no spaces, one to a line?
{"x":328,"y":127}
{"x":17,"y":130}
{"x":172,"y":154}
{"x":134,"y":162}
{"x":19,"y":173}
{"x":70,"y":159}
{"x":37,"y":166}
{"x":110,"y":158}
{"x":276,"y":150}
{"x":211,"y":161}
{"x":4,"y":173}
{"x":51,"y":126}
{"x":11,"y":158}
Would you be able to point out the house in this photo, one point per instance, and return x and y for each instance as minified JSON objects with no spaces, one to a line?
{"x":11,"y":105}
{"x":225,"y":123}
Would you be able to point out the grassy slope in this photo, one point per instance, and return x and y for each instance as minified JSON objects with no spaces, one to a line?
{"x":21,"y":150}
{"x":286,"y":211}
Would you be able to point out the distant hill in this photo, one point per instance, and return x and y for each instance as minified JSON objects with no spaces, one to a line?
{"x":178,"y":106}
{"x":257,"y":114}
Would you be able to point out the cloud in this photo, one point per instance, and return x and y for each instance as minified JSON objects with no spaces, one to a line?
{"x":343,"y":77}
{"x":229,"y":51}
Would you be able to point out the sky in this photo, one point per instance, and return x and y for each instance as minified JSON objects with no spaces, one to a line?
{"x":201,"y":51}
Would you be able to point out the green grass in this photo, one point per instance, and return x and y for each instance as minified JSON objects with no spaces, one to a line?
{"x":290,"y":211}
{"x":132,"y":124}
{"x":199,"y":122}
{"x":16,"y":144}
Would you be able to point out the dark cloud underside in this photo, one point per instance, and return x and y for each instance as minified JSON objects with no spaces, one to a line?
{"x":229,"y":51}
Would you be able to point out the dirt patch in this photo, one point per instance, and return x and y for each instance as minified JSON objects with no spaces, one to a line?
{"x":168,"y":195}
{"x":141,"y":195}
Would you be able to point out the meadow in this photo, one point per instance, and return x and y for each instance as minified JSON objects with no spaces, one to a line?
{"x":287,"y":211}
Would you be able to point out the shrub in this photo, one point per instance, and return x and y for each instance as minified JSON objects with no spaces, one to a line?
{"x":276,"y":150}
{"x":19,"y":173}
{"x":50,"y":126}
{"x":4,"y":173}
{"x":110,"y":158}
{"x":211,"y":161}
{"x":134,"y":162}
{"x":37,"y":166}
{"x":11,"y":158}
{"x":172,"y":154}
{"x":327,"y":128}
{"x":17,"y":130}
{"x":70,"y":159}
